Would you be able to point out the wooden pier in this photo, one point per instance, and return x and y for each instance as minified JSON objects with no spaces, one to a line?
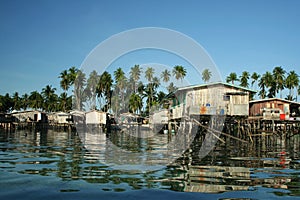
{"x":258,"y":132}
{"x":11,"y":126}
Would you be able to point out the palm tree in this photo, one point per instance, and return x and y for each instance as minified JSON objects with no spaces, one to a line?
{"x":179,"y":72}
{"x":73,"y":73}
{"x":290,"y":98}
{"x":165,"y":75}
{"x":254,"y":78}
{"x":262,"y":86}
{"x":119,"y":74}
{"x":266,"y":81}
{"x":64,"y":102}
{"x":244,"y":79}
{"x":65,"y":80}
{"x":25,"y":101}
{"x":268,"y":77}
{"x":50,"y":98}
{"x":171,"y":88}
{"x":206,"y":75}
{"x":279,"y":77}
{"x":16,"y":101}
{"x":150,"y":93}
{"x":298,"y":90}
{"x":121,"y":82}
{"x":135,"y":103}
{"x":104,"y":87}
{"x":6,"y":103}
{"x":79,"y":84}
{"x":91,"y":87}
{"x":156,"y":82}
{"x":149,"y":74}
{"x":292,"y":81}
{"x":36,"y":100}
{"x":135,"y":74}
{"x":161,"y":97}
{"x":232,"y":77}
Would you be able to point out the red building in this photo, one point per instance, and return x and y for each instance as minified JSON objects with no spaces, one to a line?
{"x":274,"y":108}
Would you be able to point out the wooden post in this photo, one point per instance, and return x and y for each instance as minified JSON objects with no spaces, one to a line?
{"x":263,"y":137}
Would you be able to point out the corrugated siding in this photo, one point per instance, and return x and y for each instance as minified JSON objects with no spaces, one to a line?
{"x":256,"y":108}
{"x":211,"y":101}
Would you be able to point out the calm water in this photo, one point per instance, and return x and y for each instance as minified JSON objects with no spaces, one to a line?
{"x":49,"y":164}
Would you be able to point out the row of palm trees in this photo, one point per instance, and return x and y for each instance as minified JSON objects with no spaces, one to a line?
{"x":46,"y":100}
{"x":124,"y":93}
{"x":128,"y":93}
{"x":118,"y":91}
{"x":270,"y":84}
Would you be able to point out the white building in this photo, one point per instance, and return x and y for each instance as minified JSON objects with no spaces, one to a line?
{"x":95,"y":117}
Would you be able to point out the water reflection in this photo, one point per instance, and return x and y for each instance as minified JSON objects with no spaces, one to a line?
{"x":93,"y":159}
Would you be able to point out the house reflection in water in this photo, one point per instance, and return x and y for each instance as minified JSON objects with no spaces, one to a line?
{"x":211,"y":179}
{"x":217,"y":179}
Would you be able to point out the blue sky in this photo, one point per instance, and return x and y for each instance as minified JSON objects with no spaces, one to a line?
{"x":39,"y":39}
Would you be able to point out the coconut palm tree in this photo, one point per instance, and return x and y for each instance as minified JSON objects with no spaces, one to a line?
{"x":206,"y":75}
{"x":298,"y":90}
{"x":149,"y":74}
{"x":91,"y":87}
{"x":179,"y":72}
{"x":156,"y":82}
{"x":254,"y":78}
{"x":135,"y":103}
{"x":268,"y":79}
{"x":79,"y":84}
{"x":279,"y":79}
{"x":16,"y":101}
{"x":65,"y":80}
{"x":231,"y":78}
{"x":119,"y":74}
{"x":150,"y":94}
{"x":73,"y":73}
{"x":104,"y":87}
{"x":135,"y":74}
{"x":161,"y":97}
{"x":244,"y":79}
{"x":165,"y":75}
{"x":262,"y":86}
{"x":121,"y":82}
{"x":25,"y":101}
{"x":292,"y":81}
{"x":64,"y":102}
{"x":6,"y":103}
{"x":36,"y":100}
{"x":266,"y":82}
{"x":50,"y":98}
{"x":149,"y":89}
{"x":171,"y":88}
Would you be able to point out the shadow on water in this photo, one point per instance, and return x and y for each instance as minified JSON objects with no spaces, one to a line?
{"x":231,"y":167}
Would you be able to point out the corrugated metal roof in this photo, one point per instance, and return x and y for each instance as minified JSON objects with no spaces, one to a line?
{"x":273,"y":99}
{"x":213,"y":84}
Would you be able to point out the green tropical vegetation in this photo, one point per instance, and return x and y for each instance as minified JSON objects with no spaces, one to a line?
{"x":115,"y":92}
{"x":270,"y":84}
{"x":119,"y":92}
{"x":206,"y":75}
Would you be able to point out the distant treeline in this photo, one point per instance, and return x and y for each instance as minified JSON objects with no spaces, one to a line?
{"x":119,"y":92}
{"x":127,"y":93}
{"x":270,"y":84}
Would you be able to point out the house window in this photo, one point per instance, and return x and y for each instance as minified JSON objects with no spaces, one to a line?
{"x":226,"y":98}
